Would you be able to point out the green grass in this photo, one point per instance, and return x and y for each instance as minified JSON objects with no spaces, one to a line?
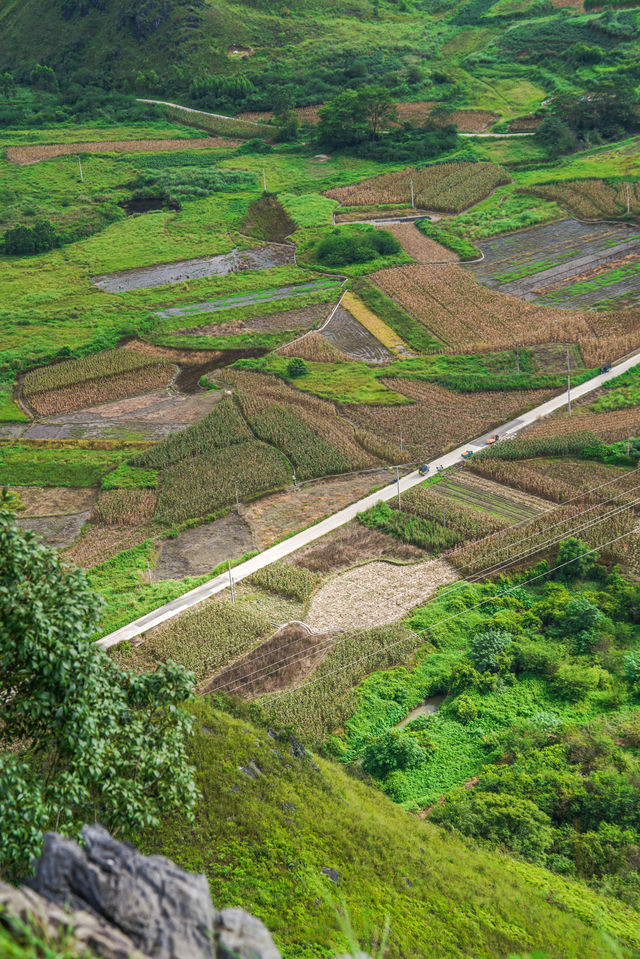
{"x":10,"y":412}
{"x":412,"y":332}
{"x":308,"y":209}
{"x":459,"y":901}
{"x":22,"y":465}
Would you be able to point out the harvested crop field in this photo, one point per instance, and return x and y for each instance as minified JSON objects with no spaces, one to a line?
{"x":351,"y":338}
{"x":100,"y":543}
{"x":149,"y":416}
{"x":27,"y":154}
{"x":313,"y":347}
{"x":353,"y":544}
{"x":142,"y":278}
{"x":467,"y":317}
{"x":54,"y":500}
{"x":609,"y":426}
{"x":448,"y":187}
{"x":280,"y":661}
{"x":422,"y":248}
{"x":438,"y":419}
{"x":125,"y":507}
{"x":286,"y":321}
{"x":104,"y":390}
{"x":196,"y":552}
{"x":56,"y":531}
{"x":591,"y":199}
{"x":559,"y":480}
{"x":281,"y":514}
{"x":376,"y":593}
{"x":566,"y":264}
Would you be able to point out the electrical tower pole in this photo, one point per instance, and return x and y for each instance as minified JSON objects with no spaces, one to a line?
{"x":568,"y":383}
{"x":398,"y":482}
{"x":81,"y":173}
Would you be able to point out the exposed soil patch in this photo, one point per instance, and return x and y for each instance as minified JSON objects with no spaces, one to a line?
{"x":422,"y":248}
{"x":353,"y":544}
{"x":350,"y":337}
{"x":147,"y":204}
{"x":99,"y":543}
{"x":195,"y":552}
{"x":36,"y":153}
{"x":54,"y":500}
{"x":149,"y":416}
{"x":280,"y":661}
{"x":313,"y":347}
{"x":284,"y":322}
{"x":56,"y":531}
{"x":282,"y":513}
{"x":188,"y":377}
{"x":161,"y":274}
{"x":376,"y":593}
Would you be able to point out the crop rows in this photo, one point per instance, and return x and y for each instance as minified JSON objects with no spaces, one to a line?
{"x":410,"y":528}
{"x":437,"y":419}
{"x":294,"y":582}
{"x":102,"y":390}
{"x":125,"y":507}
{"x":36,"y":153}
{"x":222,"y":427}
{"x":203,"y":639}
{"x":472,"y":523}
{"x":449,"y":187}
{"x":556,"y":480}
{"x":90,"y":367}
{"x":313,"y":347}
{"x":203,"y":484}
{"x":590,"y":199}
{"x":307,"y":429}
{"x":507,"y":545}
{"x":609,"y":427}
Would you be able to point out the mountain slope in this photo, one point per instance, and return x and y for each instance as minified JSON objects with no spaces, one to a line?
{"x":264,"y":833}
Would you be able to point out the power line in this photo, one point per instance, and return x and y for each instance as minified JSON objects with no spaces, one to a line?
{"x":461,"y":582}
{"x":310,"y":682}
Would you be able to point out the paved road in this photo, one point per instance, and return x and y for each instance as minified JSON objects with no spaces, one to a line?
{"x":343,"y":516}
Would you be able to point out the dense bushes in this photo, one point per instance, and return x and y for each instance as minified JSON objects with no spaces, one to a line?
{"x":24,"y":240}
{"x":355,"y":246}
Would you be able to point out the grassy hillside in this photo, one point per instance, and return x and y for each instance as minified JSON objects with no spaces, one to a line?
{"x":264,"y":833}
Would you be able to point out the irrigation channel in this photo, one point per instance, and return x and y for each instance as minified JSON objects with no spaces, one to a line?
{"x":219,"y":583}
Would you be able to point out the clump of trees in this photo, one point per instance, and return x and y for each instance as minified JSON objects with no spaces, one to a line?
{"x":365,"y":122}
{"x":341,"y":247}
{"x":80,"y":738}
{"x":607,"y":111}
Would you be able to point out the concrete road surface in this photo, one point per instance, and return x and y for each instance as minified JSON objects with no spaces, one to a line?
{"x":343,"y":516}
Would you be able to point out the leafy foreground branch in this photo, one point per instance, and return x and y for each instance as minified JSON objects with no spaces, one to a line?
{"x":82,"y":739}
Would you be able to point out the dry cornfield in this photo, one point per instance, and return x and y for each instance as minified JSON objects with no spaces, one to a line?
{"x":560,"y":480}
{"x":437,"y":419}
{"x":450,"y":187}
{"x":125,"y":507}
{"x":313,"y":347}
{"x":103,"y":390}
{"x":610,"y":426}
{"x":422,"y":248}
{"x":590,"y":199}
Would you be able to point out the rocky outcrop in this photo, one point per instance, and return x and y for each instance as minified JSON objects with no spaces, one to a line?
{"x":119,"y":904}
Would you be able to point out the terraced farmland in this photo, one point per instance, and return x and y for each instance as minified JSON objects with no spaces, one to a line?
{"x":349,"y":336}
{"x":567,"y":264}
{"x":490,"y":497}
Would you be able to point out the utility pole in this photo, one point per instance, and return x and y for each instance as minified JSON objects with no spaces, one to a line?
{"x":626,"y":186}
{"x":413,"y":197}
{"x":444,"y":516}
{"x":628,"y":443}
{"x":517,"y":359}
{"x":398,"y":482}
{"x":81,"y":173}
{"x":264,"y":180}
{"x":401,"y":446}
{"x":149,"y":568}
{"x":568,"y":383}
{"x":237,"y":497}
{"x":231,"y":584}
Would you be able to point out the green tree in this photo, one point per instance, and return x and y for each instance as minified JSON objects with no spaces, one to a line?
{"x":343,"y":121}
{"x":7,"y":85}
{"x":391,"y":751}
{"x":43,"y":78}
{"x":575,"y":560}
{"x":83,"y":739}
{"x":296,"y":367}
{"x":378,"y":107}
{"x":582,"y":623}
{"x":489,"y":650}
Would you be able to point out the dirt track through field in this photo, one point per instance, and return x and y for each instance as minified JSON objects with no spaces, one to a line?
{"x":25,"y":155}
{"x":376,"y":593}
